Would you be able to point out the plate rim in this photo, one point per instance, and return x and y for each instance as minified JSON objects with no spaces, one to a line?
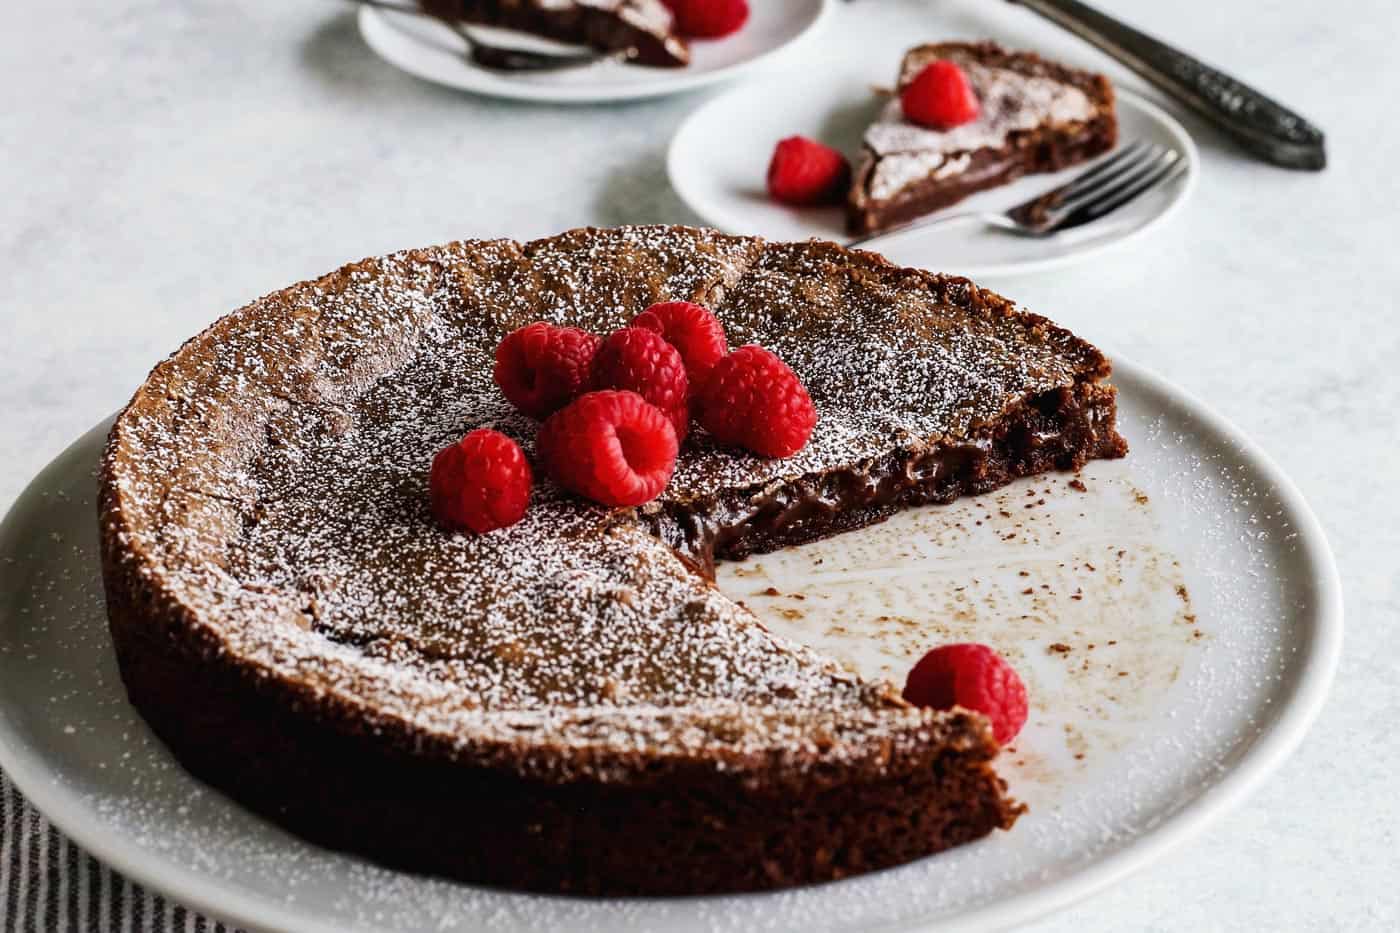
{"x":1186,"y":187}
{"x":371,"y":21}
{"x":1320,"y":654}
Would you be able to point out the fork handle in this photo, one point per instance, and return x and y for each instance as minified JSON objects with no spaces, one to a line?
{"x":1258,"y":123}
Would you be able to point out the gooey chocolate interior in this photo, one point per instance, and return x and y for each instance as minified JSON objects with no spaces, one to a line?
{"x":1050,"y":432}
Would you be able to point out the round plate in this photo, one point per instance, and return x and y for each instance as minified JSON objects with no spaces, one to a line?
{"x":1176,"y":615}
{"x":431,"y":51}
{"x":725,"y":184}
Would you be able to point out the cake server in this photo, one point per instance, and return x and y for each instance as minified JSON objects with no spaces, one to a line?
{"x":1258,"y":123}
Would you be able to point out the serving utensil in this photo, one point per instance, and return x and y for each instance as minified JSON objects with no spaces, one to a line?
{"x":1258,"y":123}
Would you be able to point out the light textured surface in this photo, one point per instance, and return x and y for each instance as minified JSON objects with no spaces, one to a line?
{"x":164,"y":163}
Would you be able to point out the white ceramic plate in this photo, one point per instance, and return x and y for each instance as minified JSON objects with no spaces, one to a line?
{"x":719,"y":157}
{"x":431,"y":51}
{"x":1177,"y":620}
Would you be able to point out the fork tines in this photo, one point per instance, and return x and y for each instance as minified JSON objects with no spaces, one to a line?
{"x":1132,"y":171}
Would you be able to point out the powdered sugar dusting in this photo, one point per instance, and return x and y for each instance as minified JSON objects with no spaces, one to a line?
{"x":289,"y":510}
{"x":651,"y":15}
{"x":1009,"y":101}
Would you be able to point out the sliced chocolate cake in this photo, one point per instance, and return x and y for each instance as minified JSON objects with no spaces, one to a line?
{"x":644,"y":27}
{"x":566,"y":704}
{"x":1033,"y":116}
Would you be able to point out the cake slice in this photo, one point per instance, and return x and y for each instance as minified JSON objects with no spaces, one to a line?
{"x":567,"y":704}
{"x":643,"y":26}
{"x":1034,"y":116}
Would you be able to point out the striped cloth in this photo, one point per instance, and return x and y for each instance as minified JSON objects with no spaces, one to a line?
{"x":49,"y":884}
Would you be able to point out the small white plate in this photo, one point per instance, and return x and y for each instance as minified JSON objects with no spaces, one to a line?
{"x":1176,"y":615}
{"x":718,"y":161}
{"x":431,"y":51}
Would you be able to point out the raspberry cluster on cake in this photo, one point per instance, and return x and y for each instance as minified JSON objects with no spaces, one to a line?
{"x":566,"y":703}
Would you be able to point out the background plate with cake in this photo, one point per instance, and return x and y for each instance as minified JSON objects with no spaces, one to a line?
{"x":774,"y":30}
{"x":901,"y":171}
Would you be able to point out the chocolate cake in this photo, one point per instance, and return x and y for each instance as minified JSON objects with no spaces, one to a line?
{"x":567,"y":704}
{"x":1035,"y":116}
{"x":643,"y":27}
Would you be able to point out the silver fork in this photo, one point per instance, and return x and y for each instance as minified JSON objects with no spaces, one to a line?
{"x":500,"y":58}
{"x":1124,"y":176}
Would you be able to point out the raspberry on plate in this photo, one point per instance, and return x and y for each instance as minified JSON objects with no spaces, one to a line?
{"x":974,"y":677}
{"x":939,"y":97}
{"x":695,"y":333}
{"x":541,"y":367}
{"x":482,"y":482}
{"x":613,"y":447}
{"x":641,"y":361}
{"x":753,"y":400}
{"x":708,"y":19}
{"x":803,"y":171}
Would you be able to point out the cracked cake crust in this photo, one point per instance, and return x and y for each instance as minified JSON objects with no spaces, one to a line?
{"x":567,"y":704}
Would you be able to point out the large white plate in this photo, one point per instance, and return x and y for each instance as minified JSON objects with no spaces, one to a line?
{"x":431,"y":51}
{"x":1166,"y":682}
{"x":719,"y":158}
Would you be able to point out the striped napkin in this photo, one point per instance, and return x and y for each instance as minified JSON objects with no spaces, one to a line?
{"x":49,"y":884}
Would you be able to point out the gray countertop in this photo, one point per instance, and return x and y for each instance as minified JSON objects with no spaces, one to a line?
{"x":162,"y":163}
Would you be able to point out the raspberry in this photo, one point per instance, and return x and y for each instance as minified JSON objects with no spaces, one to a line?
{"x":613,"y":447}
{"x":939,"y":97}
{"x":695,"y":333}
{"x":754,"y":400}
{"x":803,"y":171}
{"x":540,"y":367}
{"x":641,"y":361}
{"x":708,"y":19}
{"x":482,"y":482}
{"x":974,"y":677}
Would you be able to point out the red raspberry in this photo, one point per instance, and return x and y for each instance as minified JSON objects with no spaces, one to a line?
{"x":803,"y":171}
{"x":641,"y":361}
{"x":613,"y":447}
{"x":540,"y":367}
{"x":482,"y":482}
{"x":974,"y":677}
{"x":939,"y":97}
{"x":693,"y":331}
{"x":708,"y":19}
{"x":754,"y":400}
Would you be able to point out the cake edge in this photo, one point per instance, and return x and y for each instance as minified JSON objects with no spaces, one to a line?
{"x":253,"y":740}
{"x":349,"y":790}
